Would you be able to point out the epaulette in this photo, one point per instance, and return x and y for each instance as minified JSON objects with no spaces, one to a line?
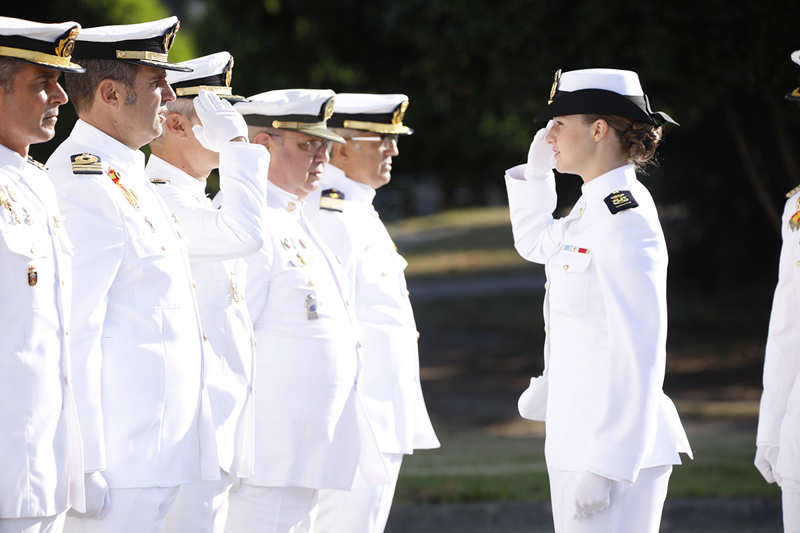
{"x":86,"y":164}
{"x":793,"y":192}
{"x":332,"y":200}
{"x":37,"y":164}
{"x":159,"y":181}
{"x":619,"y":201}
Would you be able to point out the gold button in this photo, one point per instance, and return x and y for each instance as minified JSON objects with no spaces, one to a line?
{"x":565,"y":267}
{"x":418,"y":335}
{"x":163,"y":248}
{"x":546,"y":284}
{"x":62,"y":283}
{"x":205,"y":337}
{"x":358,"y":345}
{"x":798,"y":263}
{"x":291,"y":207}
{"x":194,"y":285}
{"x":310,"y":283}
{"x":66,"y":333}
{"x":580,"y":211}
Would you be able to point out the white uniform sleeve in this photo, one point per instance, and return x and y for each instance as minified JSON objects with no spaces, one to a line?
{"x":237,"y":227}
{"x":98,"y":235}
{"x":782,"y":359}
{"x":259,"y":275}
{"x":631,"y":267}
{"x":531,"y":204}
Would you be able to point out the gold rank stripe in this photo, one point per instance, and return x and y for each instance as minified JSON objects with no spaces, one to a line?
{"x":332,"y":203}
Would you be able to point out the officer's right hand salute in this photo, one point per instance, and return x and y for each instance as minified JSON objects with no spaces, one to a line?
{"x":541,"y":158}
{"x":220,"y":122}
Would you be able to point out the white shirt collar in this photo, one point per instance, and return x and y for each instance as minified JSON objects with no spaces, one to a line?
{"x":106,"y":147}
{"x":277,"y":197}
{"x":613,"y":180}
{"x":353,"y":190}
{"x":158,"y":168}
{"x":9,"y":157}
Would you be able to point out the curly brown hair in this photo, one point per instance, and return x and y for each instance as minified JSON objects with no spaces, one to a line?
{"x":639,"y":140}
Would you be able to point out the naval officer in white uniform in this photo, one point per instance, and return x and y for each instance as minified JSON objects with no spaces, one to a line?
{"x":342,"y":213}
{"x":139,"y":348}
{"x":312,"y":431}
{"x":41,"y":455}
{"x":203,"y":132}
{"x":778,"y":438}
{"x":612,"y":433}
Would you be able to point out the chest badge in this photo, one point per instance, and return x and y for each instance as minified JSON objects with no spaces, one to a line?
{"x":129,"y":195}
{"x":794,"y":221}
{"x":33,"y":276}
{"x":311,"y":307}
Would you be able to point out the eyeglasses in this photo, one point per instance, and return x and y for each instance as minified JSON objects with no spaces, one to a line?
{"x":384,"y":138}
{"x":311,"y":147}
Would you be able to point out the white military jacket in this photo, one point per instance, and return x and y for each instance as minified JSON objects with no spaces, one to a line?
{"x":375,"y":272}
{"x":311,"y":427}
{"x":41,"y":456}
{"x":606,"y":319}
{"x":779,"y":416}
{"x":217,"y":238}
{"x":137,"y":341}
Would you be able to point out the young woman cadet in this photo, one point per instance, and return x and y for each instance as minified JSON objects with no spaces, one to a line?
{"x":612,"y":433}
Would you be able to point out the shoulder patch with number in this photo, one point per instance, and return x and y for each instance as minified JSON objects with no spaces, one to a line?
{"x":332,"y":200}
{"x":619,"y":201}
{"x":86,"y":164}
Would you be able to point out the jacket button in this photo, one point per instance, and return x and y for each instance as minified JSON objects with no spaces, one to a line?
{"x":291,"y":207}
{"x":565,"y":267}
{"x":205,"y":337}
{"x":163,"y":248}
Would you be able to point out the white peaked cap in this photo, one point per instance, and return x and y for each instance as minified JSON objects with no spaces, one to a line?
{"x":619,"y":81}
{"x":302,"y":110}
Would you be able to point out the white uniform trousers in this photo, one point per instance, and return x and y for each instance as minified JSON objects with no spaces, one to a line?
{"x":131,"y":511}
{"x":634,"y":508}
{"x":256,"y":509}
{"x":200,"y":507}
{"x":364,"y":510}
{"x":790,"y":498}
{"x":41,"y":524}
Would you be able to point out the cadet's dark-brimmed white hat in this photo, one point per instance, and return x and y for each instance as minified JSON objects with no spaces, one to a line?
{"x":302,"y":110}
{"x":376,"y":113}
{"x":46,"y":45}
{"x":794,"y":96}
{"x":211,"y":73}
{"x":145,"y":44}
{"x":602,"y":91}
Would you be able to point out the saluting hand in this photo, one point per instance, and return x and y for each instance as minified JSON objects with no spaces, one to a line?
{"x":98,"y":498}
{"x":221,"y":123}
{"x":592,"y":494}
{"x":541,"y":158}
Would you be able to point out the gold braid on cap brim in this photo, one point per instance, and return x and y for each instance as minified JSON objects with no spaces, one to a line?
{"x":37,"y":57}
{"x":216,"y":89}
{"x":138,"y":54}
{"x":298,"y":125}
{"x":377,"y":127}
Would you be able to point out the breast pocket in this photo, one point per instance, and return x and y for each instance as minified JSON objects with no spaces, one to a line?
{"x":570,"y":283}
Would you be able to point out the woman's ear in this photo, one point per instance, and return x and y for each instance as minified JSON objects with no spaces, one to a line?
{"x":599,"y":129}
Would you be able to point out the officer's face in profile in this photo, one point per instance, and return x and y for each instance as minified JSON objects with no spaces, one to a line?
{"x":29,"y":110}
{"x":369,"y":161}
{"x":144,"y":107}
{"x":297,"y":161}
{"x":571,"y":139}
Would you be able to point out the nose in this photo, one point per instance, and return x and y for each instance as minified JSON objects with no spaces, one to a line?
{"x":167,"y":94}
{"x":57,"y":95}
{"x":392,"y":149}
{"x":549,"y":138}
{"x":322,"y":155}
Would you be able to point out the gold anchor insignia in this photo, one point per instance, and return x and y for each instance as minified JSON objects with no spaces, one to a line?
{"x":554,"y":88}
{"x":169,"y":38}
{"x":66,"y":45}
{"x":327,"y":111}
{"x":400,"y":113}
{"x":229,"y":73}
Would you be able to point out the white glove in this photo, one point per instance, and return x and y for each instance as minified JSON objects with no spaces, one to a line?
{"x":98,"y":497}
{"x":541,"y":158}
{"x":592,"y":494}
{"x":220,"y":122}
{"x":766,"y":459}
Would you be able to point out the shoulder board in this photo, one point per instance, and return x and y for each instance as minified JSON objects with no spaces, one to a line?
{"x":159,"y":181}
{"x":619,"y":201}
{"x":37,"y":164}
{"x":793,"y":192}
{"x":332,"y":200}
{"x":86,"y":164}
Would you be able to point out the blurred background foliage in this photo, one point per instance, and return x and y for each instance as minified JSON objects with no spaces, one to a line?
{"x":478,"y":72}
